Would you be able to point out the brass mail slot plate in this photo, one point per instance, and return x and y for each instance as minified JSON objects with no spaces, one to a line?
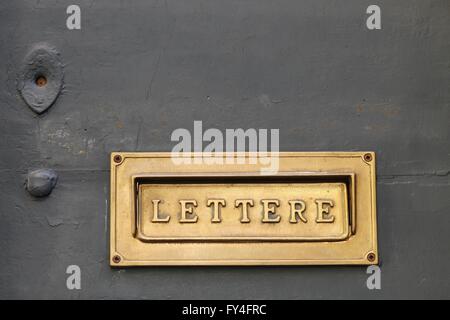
{"x":318,"y":208}
{"x":240,"y":211}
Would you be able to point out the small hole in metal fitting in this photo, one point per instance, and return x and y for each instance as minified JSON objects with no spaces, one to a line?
{"x":368,"y":157}
{"x":41,"y":81}
{"x":116,"y":259}
{"x":371,"y":257}
{"x":117,"y":158}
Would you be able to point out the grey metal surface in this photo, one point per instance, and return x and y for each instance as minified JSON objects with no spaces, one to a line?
{"x":137,"y":70}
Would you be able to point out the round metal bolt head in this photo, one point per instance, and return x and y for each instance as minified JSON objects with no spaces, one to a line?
{"x":117,"y":158}
{"x":40,"y":183}
{"x":368,"y":157}
{"x":371,"y":257}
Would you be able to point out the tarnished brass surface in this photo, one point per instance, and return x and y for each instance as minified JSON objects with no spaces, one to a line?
{"x":318,"y":209}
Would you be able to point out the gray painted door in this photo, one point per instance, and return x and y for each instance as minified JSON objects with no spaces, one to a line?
{"x":137,"y":70}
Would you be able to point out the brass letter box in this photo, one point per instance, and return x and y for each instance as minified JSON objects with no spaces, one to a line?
{"x":318,"y":208}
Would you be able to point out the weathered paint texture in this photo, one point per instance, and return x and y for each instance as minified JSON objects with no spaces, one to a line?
{"x":139,"y":69}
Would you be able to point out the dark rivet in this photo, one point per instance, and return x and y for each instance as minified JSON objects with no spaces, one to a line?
{"x":368,"y":157}
{"x":117,"y":158}
{"x":371,"y":257}
{"x":116,"y":259}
